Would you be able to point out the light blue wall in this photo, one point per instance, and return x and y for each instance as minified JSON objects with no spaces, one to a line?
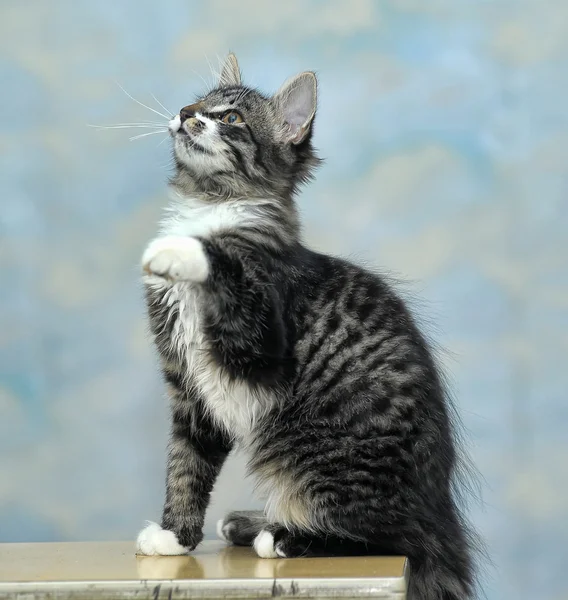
{"x":445,"y":128}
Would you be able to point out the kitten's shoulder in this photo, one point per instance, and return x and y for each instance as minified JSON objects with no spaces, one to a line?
{"x":331,"y":266}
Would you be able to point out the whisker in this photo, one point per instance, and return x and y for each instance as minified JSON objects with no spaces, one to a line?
{"x":128,"y":126}
{"x":147,"y":123}
{"x":219,"y":64}
{"x":141,"y":135}
{"x":216,"y":76}
{"x":141,"y":103}
{"x":166,"y":109}
{"x":242,"y":95}
{"x":207,"y":84}
{"x":169,"y":165}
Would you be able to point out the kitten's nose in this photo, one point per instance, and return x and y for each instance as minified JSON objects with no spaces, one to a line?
{"x":188,"y":111}
{"x":188,"y":120}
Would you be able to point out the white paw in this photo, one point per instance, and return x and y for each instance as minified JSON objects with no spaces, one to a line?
{"x":176,"y":258}
{"x":153,"y":540}
{"x":223,"y":530}
{"x":264,"y":545}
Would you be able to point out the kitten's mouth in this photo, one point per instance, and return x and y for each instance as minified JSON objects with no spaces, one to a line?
{"x":188,"y":135}
{"x":190,"y":127}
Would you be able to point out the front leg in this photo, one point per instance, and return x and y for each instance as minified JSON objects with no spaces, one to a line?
{"x":242,"y":306}
{"x":197,"y":451}
{"x":244,"y":312}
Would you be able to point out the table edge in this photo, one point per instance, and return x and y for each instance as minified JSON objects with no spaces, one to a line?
{"x":348,"y":587}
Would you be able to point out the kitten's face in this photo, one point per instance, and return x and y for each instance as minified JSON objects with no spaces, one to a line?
{"x":225,"y":131}
{"x":238,"y":141}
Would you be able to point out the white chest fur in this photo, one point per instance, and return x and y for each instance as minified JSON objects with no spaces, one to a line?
{"x":191,"y":217}
{"x":233,"y":404}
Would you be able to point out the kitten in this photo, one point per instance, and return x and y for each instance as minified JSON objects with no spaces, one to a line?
{"x":311,"y":364}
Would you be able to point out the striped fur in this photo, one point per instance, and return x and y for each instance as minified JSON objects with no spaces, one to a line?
{"x":310,"y":363}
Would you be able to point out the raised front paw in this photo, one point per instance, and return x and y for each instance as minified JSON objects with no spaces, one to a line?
{"x":176,"y":259}
{"x":153,"y":540}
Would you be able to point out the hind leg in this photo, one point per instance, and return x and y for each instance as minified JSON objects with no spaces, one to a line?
{"x":275,"y":541}
{"x":241,"y":527}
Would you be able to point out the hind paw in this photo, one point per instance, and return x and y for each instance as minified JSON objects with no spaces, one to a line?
{"x":241,"y":527}
{"x":265,"y":547}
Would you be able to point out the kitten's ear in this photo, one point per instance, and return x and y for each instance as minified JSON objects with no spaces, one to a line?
{"x":297,"y":100}
{"x":230,"y":72}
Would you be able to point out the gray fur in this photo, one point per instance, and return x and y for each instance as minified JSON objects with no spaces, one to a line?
{"x":351,"y":439}
{"x":240,"y":527}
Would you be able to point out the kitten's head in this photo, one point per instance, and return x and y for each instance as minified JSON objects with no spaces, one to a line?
{"x":234,"y":141}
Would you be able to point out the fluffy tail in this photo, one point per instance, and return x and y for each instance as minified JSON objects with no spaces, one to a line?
{"x":443,"y":564}
{"x":434,"y":580}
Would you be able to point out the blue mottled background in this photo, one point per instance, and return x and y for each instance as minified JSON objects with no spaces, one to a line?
{"x":445,"y":128}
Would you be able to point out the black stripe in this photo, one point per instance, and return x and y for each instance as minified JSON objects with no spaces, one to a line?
{"x":359,"y":385}
{"x":337,"y":378}
{"x":240,"y":159}
{"x":352,"y":339}
{"x":378,"y":358}
{"x":258,"y":150}
{"x":234,"y":132}
{"x":231,"y":90}
{"x":174,"y":379}
{"x":197,"y":146}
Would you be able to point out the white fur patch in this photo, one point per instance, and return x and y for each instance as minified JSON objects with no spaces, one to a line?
{"x":176,"y":258}
{"x":174,"y":124}
{"x":153,"y":540}
{"x":193,"y":217}
{"x":264,"y":545}
{"x":215,"y":157}
{"x":233,"y":404}
{"x":285,"y":502}
{"x":221,"y":529}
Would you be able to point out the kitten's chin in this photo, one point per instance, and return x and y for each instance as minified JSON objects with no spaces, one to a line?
{"x":197,"y":158}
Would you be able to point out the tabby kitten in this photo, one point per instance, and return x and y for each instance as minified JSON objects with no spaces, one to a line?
{"x":311,"y":364}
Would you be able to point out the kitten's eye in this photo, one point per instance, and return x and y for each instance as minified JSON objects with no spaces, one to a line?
{"x":232,"y":118}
